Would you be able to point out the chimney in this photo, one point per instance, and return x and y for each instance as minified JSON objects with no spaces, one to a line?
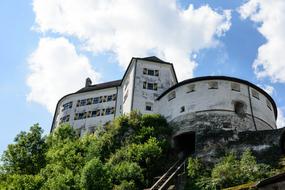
{"x":88,"y":82}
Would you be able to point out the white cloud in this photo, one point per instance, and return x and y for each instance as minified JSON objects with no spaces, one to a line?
{"x":271,"y":17}
{"x":280,"y":119}
{"x":267,"y":88}
{"x":55,"y":70}
{"x":135,"y":28}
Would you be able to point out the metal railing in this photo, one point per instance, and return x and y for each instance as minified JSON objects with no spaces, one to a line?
{"x":165,"y":181}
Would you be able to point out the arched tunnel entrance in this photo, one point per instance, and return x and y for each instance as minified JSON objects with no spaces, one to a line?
{"x":185,"y":143}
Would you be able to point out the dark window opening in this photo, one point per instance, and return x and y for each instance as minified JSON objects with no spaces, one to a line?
{"x":239,"y":108}
{"x":182,"y":109}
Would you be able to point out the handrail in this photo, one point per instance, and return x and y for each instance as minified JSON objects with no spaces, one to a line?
{"x":161,"y":178}
{"x":173,"y":174}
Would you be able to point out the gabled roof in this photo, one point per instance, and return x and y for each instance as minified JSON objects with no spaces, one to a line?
{"x":153,"y":59}
{"x":100,"y":86}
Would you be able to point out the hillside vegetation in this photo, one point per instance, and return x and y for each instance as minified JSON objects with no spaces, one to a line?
{"x":126,"y":154}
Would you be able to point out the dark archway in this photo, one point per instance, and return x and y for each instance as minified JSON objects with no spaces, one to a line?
{"x":185,"y":143}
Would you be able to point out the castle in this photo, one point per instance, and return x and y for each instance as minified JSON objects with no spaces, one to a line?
{"x":150,"y":85}
{"x":210,"y":115}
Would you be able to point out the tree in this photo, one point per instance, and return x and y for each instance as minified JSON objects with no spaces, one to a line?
{"x":95,"y":176}
{"x":27,"y":155}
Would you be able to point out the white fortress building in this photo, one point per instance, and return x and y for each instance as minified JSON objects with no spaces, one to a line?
{"x":150,"y":85}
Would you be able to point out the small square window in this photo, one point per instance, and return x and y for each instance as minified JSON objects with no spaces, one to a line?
{"x":190,"y":88}
{"x":150,"y":72}
{"x":150,"y":86}
{"x":83,"y":102}
{"x":213,"y":85}
{"x":148,"y":106}
{"x":182,"y":109}
{"x":109,"y":98}
{"x":156,"y":73}
{"x":235,"y":87}
{"x":108,"y":111}
{"x":96,"y":100}
{"x":255,"y":94}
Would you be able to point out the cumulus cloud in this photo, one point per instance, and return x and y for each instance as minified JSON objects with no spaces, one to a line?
{"x":136,"y":28}
{"x":55,"y":70}
{"x":267,"y":88}
{"x":270,"y":15}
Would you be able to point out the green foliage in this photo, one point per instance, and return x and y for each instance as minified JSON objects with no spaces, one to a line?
{"x":27,"y":155}
{"x":95,"y":176}
{"x":125,"y":154}
{"x":230,"y":171}
{"x":19,"y":182}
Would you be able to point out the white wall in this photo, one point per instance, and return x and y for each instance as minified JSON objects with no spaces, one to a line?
{"x":88,"y":122}
{"x":204,"y":99}
{"x":165,"y":80}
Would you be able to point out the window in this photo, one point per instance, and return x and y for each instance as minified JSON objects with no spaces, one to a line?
{"x":95,"y":113}
{"x":80,"y":115}
{"x":255,"y":94}
{"x":182,"y":109}
{"x":109,"y":98}
{"x":110,"y":111}
{"x":89,"y":101}
{"x":156,"y":73}
{"x":171,"y":95}
{"x":150,"y":72}
{"x":149,"y":85}
{"x":64,"y":119}
{"x":190,"y":88}
{"x":213,"y":85}
{"x":268,"y":104}
{"x":96,"y":100}
{"x":83,"y":102}
{"x":235,"y":87}
{"x":148,"y":106}
{"x":67,"y":106}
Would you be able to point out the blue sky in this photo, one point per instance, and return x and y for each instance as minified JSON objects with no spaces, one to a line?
{"x":56,"y":45}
